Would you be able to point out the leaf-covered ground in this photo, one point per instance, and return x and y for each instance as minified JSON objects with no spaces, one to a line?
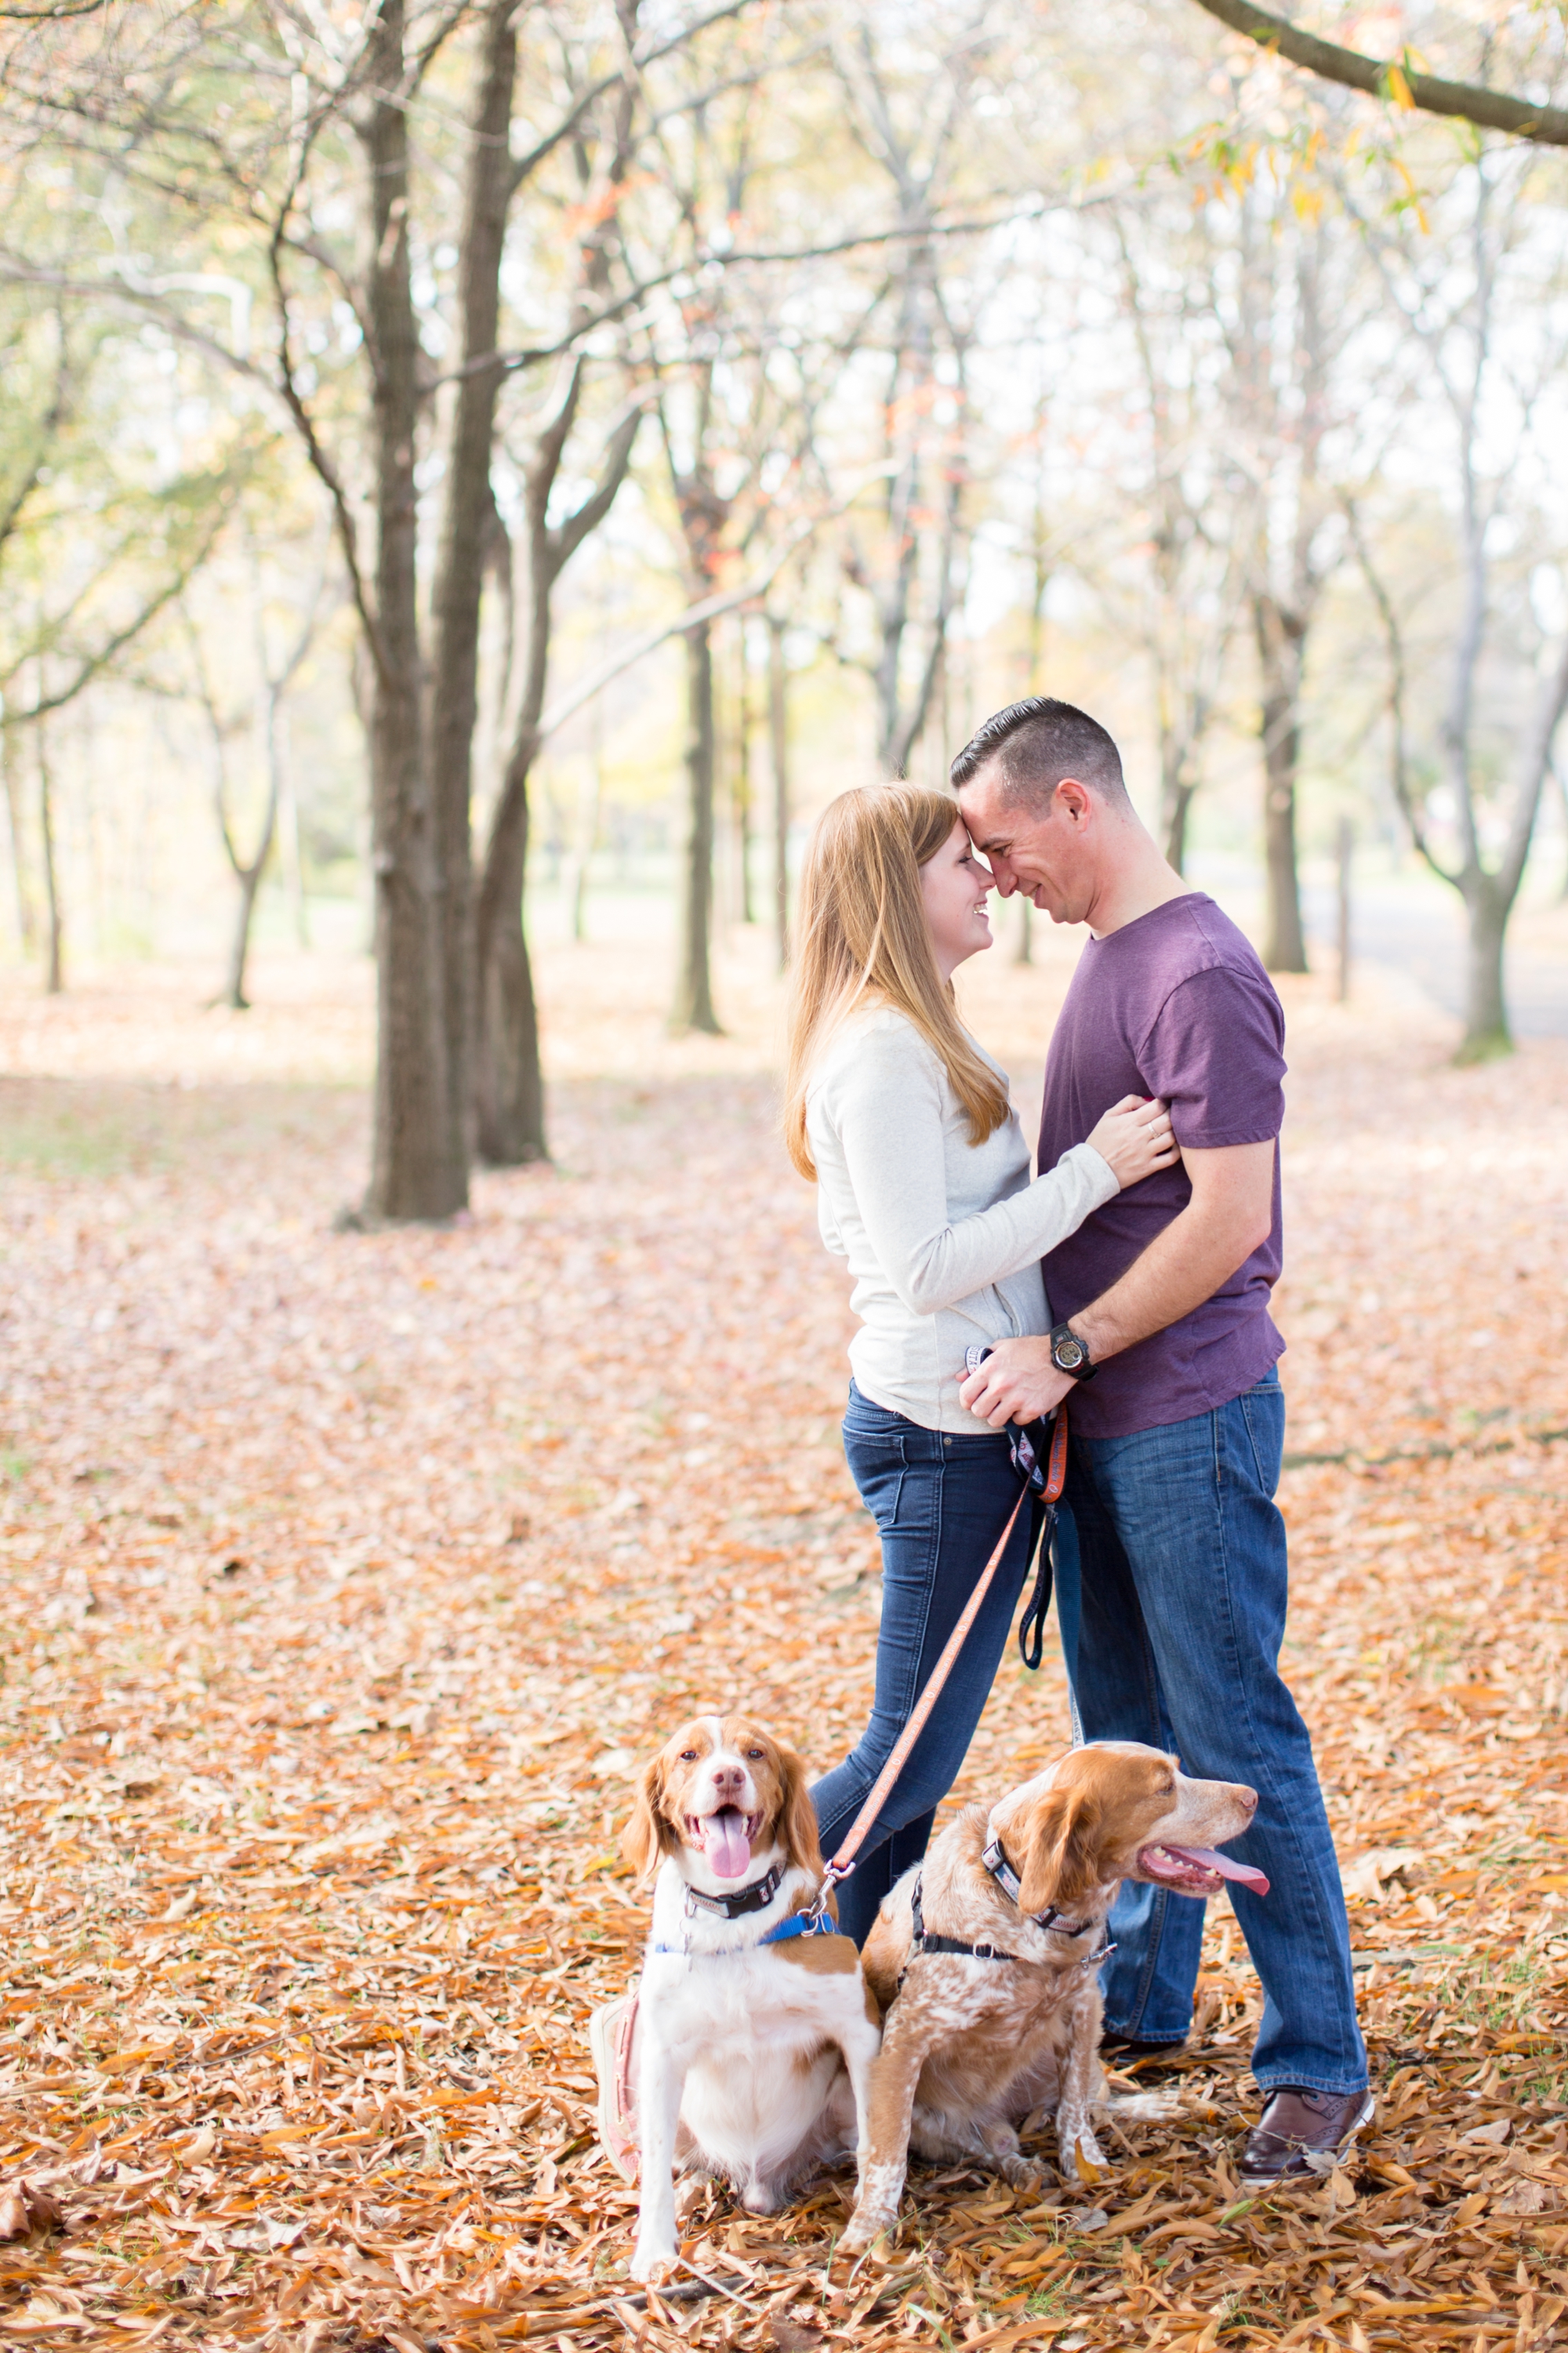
{"x":347,"y":1577}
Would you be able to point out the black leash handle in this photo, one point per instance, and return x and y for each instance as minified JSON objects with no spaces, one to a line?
{"x":1041,"y":1461}
{"x":1032,"y":1624}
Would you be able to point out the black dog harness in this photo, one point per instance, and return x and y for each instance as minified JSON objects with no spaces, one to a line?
{"x":996,"y":1860}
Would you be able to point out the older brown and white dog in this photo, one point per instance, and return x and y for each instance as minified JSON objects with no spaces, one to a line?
{"x":753,"y":2036}
{"x":980,"y":2036}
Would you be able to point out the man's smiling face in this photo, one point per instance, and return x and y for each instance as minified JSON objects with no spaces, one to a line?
{"x":1048,"y":855}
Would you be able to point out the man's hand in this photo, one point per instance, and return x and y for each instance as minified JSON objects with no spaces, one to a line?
{"x":1017,"y":1382}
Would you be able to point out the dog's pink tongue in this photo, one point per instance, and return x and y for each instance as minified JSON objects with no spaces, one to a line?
{"x":728,"y":1848}
{"x":1207,"y":1859}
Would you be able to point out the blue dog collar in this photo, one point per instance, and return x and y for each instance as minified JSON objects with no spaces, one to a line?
{"x":799,"y":1924}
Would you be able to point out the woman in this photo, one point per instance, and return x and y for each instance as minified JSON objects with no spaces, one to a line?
{"x":923,"y":1186}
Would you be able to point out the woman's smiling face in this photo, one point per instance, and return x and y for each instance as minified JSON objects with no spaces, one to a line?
{"x":955,"y":886}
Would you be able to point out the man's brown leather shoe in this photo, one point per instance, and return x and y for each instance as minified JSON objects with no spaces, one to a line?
{"x":1298,"y":2127}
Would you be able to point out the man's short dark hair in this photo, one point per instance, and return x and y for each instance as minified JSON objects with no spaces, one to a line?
{"x":1035,"y":744}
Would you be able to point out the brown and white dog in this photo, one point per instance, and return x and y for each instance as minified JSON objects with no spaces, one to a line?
{"x":976,"y":2039}
{"x":751,"y":2051}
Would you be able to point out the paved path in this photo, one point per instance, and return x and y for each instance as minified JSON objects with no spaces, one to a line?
{"x":1425,"y":937}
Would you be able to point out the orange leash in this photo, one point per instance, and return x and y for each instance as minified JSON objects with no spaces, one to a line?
{"x":843,"y":1862}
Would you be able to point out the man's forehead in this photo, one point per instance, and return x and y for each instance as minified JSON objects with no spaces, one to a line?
{"x":988,"y":816}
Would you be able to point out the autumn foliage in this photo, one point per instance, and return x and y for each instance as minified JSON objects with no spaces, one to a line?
{"x":347,"y":1577}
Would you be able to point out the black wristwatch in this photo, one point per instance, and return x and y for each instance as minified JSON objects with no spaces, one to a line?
{"x":1068,"y":1354}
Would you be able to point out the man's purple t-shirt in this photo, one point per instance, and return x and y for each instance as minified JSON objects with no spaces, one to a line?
{"x":1177,"y":1005}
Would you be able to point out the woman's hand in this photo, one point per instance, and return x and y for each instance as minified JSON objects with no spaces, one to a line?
{"x":1135,"y":1138}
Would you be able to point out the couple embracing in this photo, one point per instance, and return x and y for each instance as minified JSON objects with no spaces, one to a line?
{"x":1133,"y":1275}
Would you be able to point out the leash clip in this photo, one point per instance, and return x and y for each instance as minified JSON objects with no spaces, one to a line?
{"x":817,"y":1910}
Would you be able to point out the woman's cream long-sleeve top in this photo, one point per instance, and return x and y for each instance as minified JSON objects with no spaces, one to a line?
{"x":943,"y":1238}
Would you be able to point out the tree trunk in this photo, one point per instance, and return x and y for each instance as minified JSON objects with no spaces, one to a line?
{"x":54,"y":981}
{"x":778,"y":746}
{"x":417,"y":1168}
{"x":1176,"y":796}
{"x":250,"y":881}
{"x":508,"y":1086}
{"x":288,"y":830}
{"x":1486,"y":1033}
{"x":250,"y":877}
{"x":1280,"y":656}
{"x":741,"y":796}
{"x":461,"y":563}
{"x":25,"y":925}
{"x":693,"y":1006}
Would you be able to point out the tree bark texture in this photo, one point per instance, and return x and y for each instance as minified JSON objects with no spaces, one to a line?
{"x":417,"y":1168}
{"x":460,"y":563}
{"x":508,"y":1082}
{"x":509,"y":1085}
{"x":693,"y":1006}
{"x":1279,"y":648}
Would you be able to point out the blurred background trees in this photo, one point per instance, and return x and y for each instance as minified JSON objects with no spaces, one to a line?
{"x":494,"y":448}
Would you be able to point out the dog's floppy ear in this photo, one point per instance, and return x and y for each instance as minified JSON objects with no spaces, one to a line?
{"x":797,"y":1815}
{"x":647,"y":1836}
{"x":1061,"y":1850}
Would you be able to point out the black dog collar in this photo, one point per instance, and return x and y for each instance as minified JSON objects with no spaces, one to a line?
{"x":755,"y":1898}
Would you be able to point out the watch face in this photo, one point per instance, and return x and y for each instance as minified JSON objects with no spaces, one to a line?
{"x":1068,"y":1353}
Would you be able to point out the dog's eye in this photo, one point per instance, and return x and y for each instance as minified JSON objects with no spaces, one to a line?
{"x":756,"y":1752}
{"x":688,"y":1755}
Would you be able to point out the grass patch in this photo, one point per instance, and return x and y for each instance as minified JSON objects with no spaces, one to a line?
{"x":66,"y":1128}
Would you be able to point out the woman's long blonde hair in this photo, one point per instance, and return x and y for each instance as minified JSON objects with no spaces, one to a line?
{"x":861,"y":937}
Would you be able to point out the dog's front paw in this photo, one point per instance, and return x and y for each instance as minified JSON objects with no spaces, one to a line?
{"x":653,"y":2260}
{"x":876,"y":2209}
{"x":1082,"y":2153}
{"x":1021,"y":2172}
{"x":864,"y":2225}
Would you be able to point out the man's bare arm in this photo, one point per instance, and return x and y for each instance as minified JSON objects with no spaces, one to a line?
{"x":1229,"y":1217}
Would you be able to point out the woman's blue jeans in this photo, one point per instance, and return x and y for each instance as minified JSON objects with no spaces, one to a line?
{"x":940,"y":1502}
{"x":1171,"y":1586}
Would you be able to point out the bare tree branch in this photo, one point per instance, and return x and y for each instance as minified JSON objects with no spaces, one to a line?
{"x":1398,"y":761}
{"x":709,"y":608}
{"x":1393,"y":79}
{"x":91,"y":665}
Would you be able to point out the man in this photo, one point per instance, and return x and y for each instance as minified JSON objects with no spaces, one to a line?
{"x":1171,"y":1571}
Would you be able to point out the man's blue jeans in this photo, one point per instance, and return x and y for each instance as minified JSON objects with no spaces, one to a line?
{"x":939,"y":1504}
{"x":1171,"y":1579}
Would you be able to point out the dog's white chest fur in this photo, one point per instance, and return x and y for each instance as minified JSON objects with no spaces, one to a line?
{"x":748,"y":2060}
{"x":756,"y":2039}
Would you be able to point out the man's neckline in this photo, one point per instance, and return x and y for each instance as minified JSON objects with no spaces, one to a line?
{"x":1182,"y":899}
